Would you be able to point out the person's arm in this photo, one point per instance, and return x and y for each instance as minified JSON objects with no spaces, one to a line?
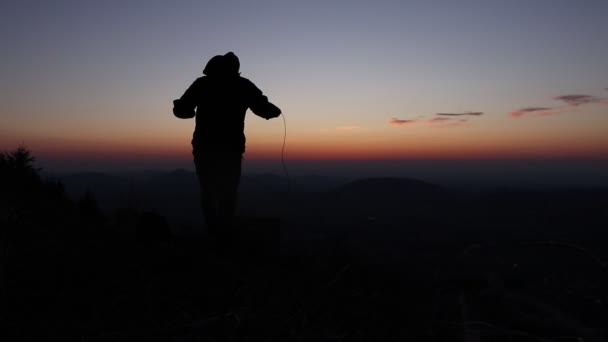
{"x":183,"y":107}
{"x":260,"y":105}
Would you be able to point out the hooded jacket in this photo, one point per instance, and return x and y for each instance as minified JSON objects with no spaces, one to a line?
{"x":219,"y":101}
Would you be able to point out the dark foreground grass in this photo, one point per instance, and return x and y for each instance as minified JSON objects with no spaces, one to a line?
{"x":104,"y":287}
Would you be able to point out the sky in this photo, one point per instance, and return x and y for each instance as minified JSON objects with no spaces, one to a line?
{"x":89,"y":85}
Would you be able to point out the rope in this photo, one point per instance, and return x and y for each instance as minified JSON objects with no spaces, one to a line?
{"x":283,"y":154}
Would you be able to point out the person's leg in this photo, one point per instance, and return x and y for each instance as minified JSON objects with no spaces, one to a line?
{"x":230,"y":184}
{"x":207,"y":184}
{"x":227,"y":183}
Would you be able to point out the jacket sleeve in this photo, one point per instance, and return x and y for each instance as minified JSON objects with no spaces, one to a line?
{"x":183,"y":107}
{"x":259,"y":104}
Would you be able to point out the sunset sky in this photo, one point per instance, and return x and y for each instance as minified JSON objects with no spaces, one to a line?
{"x":91,"y":83}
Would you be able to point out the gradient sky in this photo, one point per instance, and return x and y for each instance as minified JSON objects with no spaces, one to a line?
{"x":88,"y":83}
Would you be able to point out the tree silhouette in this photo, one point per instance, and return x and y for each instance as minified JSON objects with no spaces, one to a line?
{"x":17,"y":170}
{"x":25,"y":199}
{"x":20,"y":160}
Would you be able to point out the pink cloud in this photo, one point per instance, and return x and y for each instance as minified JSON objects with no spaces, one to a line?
{"x":447,"y":122}
{"x":578,"y":99}
{"x":440,"y":119}
{"x":400,"y":122}
{"x":433,"y":122}
{"x":532,"y":111}
{"x":461,"y":114}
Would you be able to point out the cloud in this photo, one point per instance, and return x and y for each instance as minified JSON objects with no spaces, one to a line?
{"x":440,"y":119}
{"x":532,"y":111}
{"x":461,"y":114}
{"x":452,"y":119}
{"x":447,"y":122}
{"x":433,"y":122}
{"x":578,"y":99}
{"x":570,"y":100}
{"x":400,"y":122}
{"x":347,"y":128}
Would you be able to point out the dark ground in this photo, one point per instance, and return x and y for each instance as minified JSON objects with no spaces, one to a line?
{"x":375,"y":260}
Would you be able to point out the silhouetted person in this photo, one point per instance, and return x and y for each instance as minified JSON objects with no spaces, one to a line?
{"x":221,"y":98}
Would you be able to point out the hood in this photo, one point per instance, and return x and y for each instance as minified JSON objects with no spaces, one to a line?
{"x":223,"y":65}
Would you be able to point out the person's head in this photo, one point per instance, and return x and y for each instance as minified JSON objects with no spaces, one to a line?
{"x":232,"y":63}
{"x":215,"y":66}
{"x":222,"y":65}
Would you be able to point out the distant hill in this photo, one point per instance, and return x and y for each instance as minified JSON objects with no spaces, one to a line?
{"x":77,"y":183}
{"x":383,"y":197}
{"x":172,"y":193}
{"x":386,"y":187}
{"x":175,"y":194}
{"x":179,"y":181}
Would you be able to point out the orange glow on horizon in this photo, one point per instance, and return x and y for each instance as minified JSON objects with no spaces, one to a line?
{"x":130,"y":150}
{"x":354,"y":143}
